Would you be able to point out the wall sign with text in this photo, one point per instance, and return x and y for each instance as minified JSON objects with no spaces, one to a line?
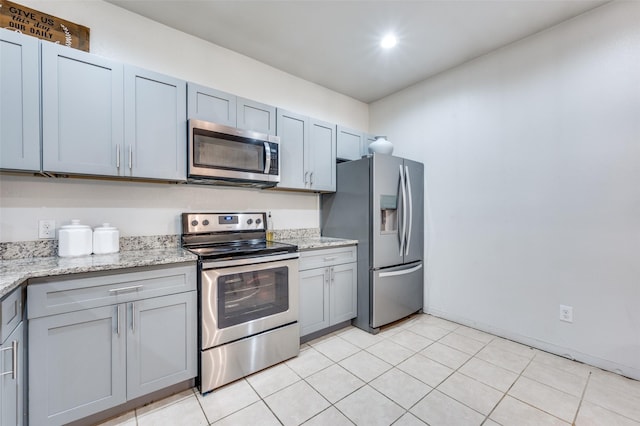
{"x":22,"y":19}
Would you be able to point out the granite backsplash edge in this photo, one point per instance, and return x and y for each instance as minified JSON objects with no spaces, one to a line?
{"x":48,"y":248}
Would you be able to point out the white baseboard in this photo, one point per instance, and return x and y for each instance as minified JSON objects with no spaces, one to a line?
{"x":562,"y":351}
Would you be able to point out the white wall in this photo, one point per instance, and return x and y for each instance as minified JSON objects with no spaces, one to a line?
{"x":532,"y":177}
{"x":149,"y":208}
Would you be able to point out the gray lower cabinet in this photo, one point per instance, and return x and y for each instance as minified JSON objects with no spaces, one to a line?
{"x":308,"y":153}
{"x":99,"y":340}
{"x":328,"y":288}
{"x":12,"y":357}
{"x":20,"y":102}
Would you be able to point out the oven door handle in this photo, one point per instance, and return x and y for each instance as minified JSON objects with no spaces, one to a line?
{"x":249,"y":260}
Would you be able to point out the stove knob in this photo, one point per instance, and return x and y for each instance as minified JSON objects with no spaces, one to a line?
{"x":205,"y":222}
{"x":194,"y":223}
{"x":258,"y":221}
{"x":249,"y":221}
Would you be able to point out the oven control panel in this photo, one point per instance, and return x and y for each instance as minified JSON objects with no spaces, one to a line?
{"x":193,"y":223}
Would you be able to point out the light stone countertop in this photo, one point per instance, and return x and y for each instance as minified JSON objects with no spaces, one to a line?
{"x":312,"y":243}
{"x":14,"y":272}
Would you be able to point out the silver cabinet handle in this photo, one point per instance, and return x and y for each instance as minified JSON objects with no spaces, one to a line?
{"x":118,"y":320}
{"x":118,"y":156}
{"x":14,"y":361}
{"x":311,"y":178}
{"x":133,"y":317}
{"x":410,"y":228}
{"x":333,"y":274}
{"x":327,"y":276}
{"x":328,"y":259}
{"x":305,"y":177}
{"x":121,"y":289}
{"x":130,"y":157}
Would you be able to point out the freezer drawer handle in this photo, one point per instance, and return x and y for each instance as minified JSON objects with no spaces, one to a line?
{"x":402,"y":272}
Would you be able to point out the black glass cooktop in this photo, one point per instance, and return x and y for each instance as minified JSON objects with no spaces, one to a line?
{"x":241,"y":248}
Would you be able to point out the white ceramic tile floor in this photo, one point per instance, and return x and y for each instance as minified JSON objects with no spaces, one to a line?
{"x":461,"y":377}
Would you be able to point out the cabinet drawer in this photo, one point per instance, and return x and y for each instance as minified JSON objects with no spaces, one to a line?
{"x":55,"y":295}
{"x":11,"y":313}
{"x":327,"y":257}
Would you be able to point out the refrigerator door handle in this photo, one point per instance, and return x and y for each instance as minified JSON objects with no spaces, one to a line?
{"x":410,"y":227}
{"x":401,"y":272}
{"x":402,"y":231}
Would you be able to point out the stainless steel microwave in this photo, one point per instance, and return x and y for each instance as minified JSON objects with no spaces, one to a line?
{"x":226,"y":155}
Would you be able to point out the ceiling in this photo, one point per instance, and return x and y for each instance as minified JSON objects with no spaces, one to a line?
{"x":336,"y":43}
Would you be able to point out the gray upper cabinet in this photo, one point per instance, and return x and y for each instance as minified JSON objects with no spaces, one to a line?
{"x":20,"y":102}
{"x":216,"y":106}
{"x":82,"y":112}
{"x":252,"y":115}
{"x":293,"y":130}
{"x":350,"y":144}
{"x":104,"y":118}
{"x":211,"y":105}
{"x":308,"y":152}
{"x":155,"y":125}
{"x":321,"y":161}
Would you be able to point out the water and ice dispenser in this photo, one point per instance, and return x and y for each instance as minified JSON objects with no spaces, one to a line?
{"x":388,"y":214}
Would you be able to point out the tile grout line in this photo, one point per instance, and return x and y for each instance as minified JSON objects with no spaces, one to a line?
{"x":584,"y":391}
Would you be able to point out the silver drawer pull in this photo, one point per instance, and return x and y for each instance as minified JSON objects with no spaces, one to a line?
{"x":132,"y":288}
{"x":329,"y":259}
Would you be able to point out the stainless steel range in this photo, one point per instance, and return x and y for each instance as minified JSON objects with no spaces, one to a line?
{"x":248,"y":295}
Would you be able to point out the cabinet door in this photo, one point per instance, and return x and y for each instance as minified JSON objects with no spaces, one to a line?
{"x":252,"y":115}
{"x":343,"y":291}
{"x":211,"y":105}
{"x":293,"y":130}
{"x":314,"y":300}
{"x":77,"y":364}
{"x":82,"y":112}
{"x":20,"y":102}
{"x":350,"y":144}
{"x":155,"y":127}
{"x":322,"y":156}
{"x":161,"y":342}
{"x":12,"y":382}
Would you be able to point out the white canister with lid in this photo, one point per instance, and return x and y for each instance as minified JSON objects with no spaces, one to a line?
{"x":75,"y":239}
{"x":106,"y":239}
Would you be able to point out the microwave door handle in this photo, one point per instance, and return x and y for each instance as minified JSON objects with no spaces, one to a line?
{"x":267,"y":156}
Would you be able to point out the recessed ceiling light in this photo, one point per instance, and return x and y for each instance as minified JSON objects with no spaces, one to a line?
{"x":388,"y":41}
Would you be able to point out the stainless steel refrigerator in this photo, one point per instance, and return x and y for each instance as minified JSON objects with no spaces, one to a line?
{"x":380,"y":202}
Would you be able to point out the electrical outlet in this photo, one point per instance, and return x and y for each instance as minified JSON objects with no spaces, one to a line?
{"x":47,"y":229}
{"x":566,"y":313}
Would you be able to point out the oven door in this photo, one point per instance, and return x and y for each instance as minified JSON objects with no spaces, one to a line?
{"x":241,"y":298}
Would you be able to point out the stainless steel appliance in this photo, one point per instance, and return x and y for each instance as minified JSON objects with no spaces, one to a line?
{"x":248,"y":295}
{"x":226,"y":155}
{"x":380,"y":202}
